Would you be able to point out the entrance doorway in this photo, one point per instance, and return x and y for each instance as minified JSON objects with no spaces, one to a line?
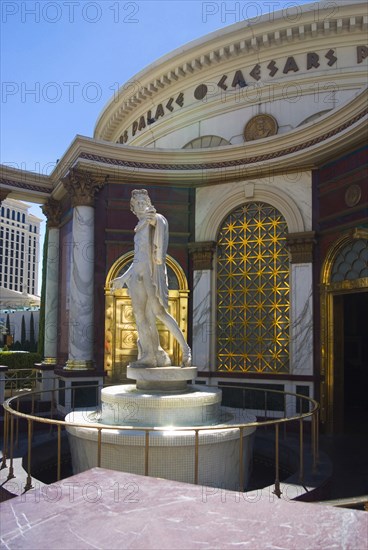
{"x":350,"y":363}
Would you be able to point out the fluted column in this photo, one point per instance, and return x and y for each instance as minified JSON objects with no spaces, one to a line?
{"x":52,"y":211}
{"x":203,"y":333}
{"x":82,"y":188}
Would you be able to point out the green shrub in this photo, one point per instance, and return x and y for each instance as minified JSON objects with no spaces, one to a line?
{"x":15,"y":360}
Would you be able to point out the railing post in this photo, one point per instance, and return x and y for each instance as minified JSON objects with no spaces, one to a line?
{"x":196,"y":457}
{"x":28,"y":484}
{"x":58,"y":474}
{"x":314,"y":452}
{"x":99,"y":443}
{"x":301,"y":451}
{"x":17,"y":426}
{"x":277,"y":490}
{"x":265,"y":405}
{"x":241,"y":466}
{"x":317,"y":435}
{"x":285,"y":415}
{"x":33,"y":409}
{"x":5,"y":443}
{"x":146,"y":452}
{"x":11,"y":469}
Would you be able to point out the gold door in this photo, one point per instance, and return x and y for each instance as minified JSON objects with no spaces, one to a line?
{"x":120,"y":328}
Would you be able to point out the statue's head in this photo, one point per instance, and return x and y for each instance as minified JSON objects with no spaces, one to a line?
{"x":139,"y":200}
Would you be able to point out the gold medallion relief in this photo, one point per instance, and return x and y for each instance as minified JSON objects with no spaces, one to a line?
{"x":259,"y":127}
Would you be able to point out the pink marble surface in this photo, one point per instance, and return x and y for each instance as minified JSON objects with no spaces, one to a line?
{"x":107,"y":509}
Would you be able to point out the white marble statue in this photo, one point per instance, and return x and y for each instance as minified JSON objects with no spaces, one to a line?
{"x":146,"y":280}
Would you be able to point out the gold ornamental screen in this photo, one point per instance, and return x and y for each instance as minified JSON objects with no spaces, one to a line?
{"x":253,"y":291}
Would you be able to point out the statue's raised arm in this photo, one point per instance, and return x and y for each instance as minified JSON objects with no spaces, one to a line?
{"x":146,"y":280}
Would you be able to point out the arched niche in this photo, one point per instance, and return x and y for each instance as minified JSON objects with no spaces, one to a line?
{"x":343,"y":274}
{"x":260,"y":193}
{"x":120,"y":329}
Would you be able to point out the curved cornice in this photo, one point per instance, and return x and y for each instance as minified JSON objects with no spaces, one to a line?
{"x":29,"y":186}
{"x":306,"y":147}
{"x":222,"y":47}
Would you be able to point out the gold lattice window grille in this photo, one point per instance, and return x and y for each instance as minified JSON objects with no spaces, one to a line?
{"x":253,"y":291}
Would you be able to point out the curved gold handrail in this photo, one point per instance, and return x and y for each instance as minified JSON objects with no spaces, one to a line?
{"x":10,"y":413}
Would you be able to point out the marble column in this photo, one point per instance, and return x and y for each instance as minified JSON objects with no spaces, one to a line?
{"x":300,"y":247}
{"x":203,"y":329}
{"x":82,"y":187}
{"x":52,"y":211}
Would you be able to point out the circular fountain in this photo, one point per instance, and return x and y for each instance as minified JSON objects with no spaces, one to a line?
{"x":159,"y":400}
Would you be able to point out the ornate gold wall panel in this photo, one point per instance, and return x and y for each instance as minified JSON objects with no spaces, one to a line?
{"x":253,"y":291}
{"x":120,"y":328}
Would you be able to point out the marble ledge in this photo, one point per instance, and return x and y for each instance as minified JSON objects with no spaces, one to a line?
{"x":101,"y":508}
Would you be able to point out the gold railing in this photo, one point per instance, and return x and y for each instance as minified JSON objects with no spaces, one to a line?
{"x":12,"y":415}
{"x":18,"y":380}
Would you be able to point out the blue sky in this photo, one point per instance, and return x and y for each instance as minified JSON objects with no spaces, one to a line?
{"x":62,"y":60}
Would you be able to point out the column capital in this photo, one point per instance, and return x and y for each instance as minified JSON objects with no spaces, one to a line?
{"x":82,"y":186}
{"x":300,"y":246}
{"x":202,"y":254}
{"x":52,"y":211}
{"x":3,"y":195}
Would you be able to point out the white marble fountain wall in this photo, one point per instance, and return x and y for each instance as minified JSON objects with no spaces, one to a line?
{"x":171,"y":453}
{"x":171,"y":450}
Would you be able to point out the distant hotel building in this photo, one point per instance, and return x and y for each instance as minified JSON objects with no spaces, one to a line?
{"x":19,"y":248}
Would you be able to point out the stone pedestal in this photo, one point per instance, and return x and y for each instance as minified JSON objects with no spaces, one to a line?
{"x":162,"y":378}
{"x":45,"y":380}
{"x":125,"y":405}
{"x":78,"y":392}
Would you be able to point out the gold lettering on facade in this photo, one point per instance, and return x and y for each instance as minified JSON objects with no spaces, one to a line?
{"x":330,"y":55}
{"x":159,"y":111}
{"x":272,"y":68}
{"x":362,"y":53}
{"x":290,"y":65}
{"x":221,"y":83}
{"x":256,"y":72}
{"x":238,"y":80}
{"x":313,"y":61}
{"x":141,"y":123}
